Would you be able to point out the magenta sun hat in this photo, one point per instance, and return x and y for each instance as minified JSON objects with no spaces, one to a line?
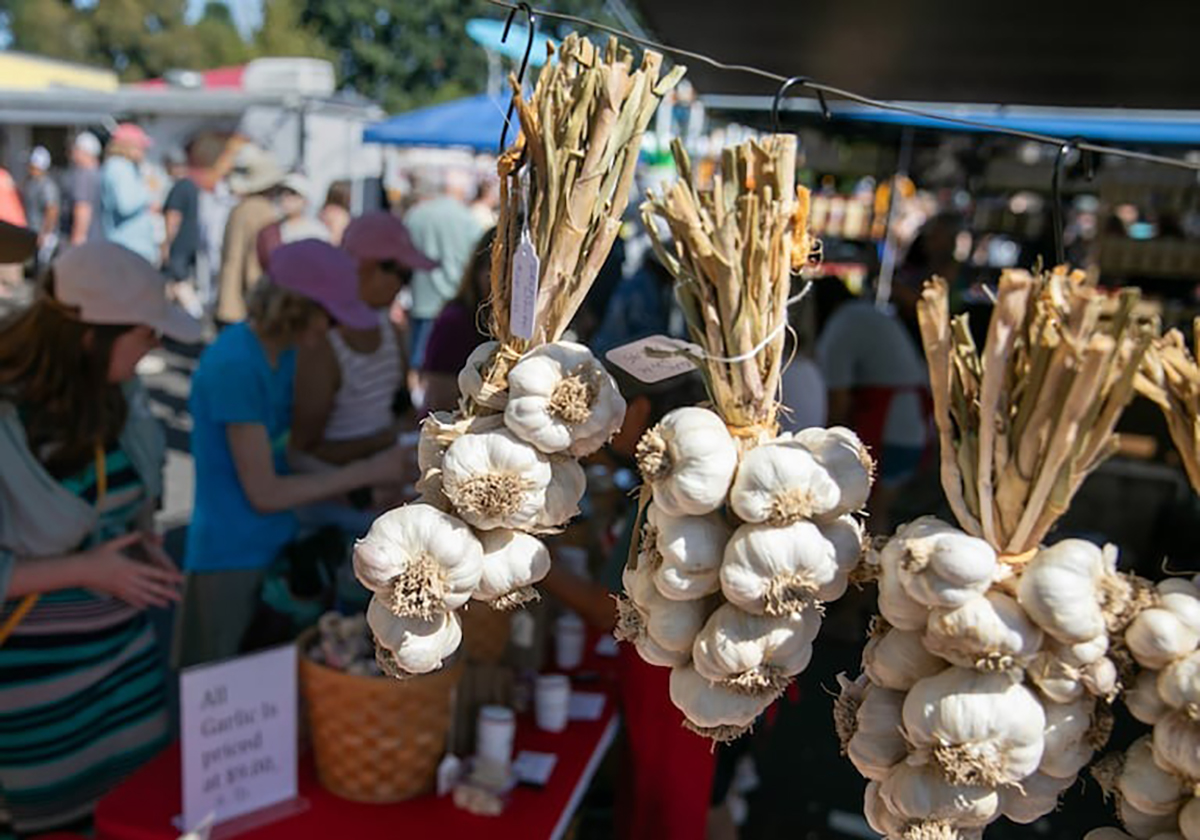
{"x":382,"y":236}
{"x":325,"y":275}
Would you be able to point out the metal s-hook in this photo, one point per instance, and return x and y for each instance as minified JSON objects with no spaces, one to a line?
{"x":807,"y":82}
{"x":531,"y":23}
{"x":1056,"y":208}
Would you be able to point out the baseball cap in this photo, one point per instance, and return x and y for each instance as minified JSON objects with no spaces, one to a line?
{"x":132,"y":135}
{"x":382,"y":236}
{"x":112,"y":285}
{"x":325,"y":275}
{"x":87,"y":142}
{"x":39,"y":158}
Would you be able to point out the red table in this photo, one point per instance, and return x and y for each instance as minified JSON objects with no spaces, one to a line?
{"x":143,"y":807}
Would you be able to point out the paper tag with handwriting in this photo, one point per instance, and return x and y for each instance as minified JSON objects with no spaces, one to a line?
{"x":525,"y":268}
{"x":655,"y":358}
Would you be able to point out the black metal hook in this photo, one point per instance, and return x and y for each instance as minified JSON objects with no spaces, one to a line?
{"x":531,"y":24}
{"x":807,"y":82}
{"x":1056,"y":208}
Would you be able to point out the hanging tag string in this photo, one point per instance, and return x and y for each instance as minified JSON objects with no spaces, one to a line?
{"x":762,"y":345}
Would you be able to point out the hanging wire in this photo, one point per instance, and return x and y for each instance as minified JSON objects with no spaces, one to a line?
{"x":1056,"y":203}
{"x":530,"y":24}
{"x":850,"y":96}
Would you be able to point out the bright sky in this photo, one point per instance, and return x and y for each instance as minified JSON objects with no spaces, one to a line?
{"x":247,"y":13}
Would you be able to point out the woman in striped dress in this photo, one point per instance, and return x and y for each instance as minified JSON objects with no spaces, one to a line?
{"x":82,"y":694}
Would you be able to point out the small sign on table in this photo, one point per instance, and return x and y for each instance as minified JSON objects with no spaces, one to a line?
{"x":238,"y":722}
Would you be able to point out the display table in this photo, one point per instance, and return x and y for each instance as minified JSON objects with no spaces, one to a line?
{"x":143,"y":807}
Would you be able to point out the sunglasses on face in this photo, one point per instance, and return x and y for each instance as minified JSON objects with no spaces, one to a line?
{"x":403,"y":273}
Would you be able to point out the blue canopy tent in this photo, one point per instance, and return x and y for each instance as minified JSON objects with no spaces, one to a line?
{"x":473,"y":122}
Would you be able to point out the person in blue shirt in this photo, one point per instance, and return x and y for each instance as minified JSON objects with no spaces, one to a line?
{"x":241,"y":405}
{"x":126,"y":208}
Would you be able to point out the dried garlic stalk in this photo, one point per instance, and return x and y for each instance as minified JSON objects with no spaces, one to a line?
{"x":1170,"y":377}
{"x":733,"y":250}
{"x":1022,"y":425}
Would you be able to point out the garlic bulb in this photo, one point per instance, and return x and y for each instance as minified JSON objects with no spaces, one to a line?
{"x":1189,"y":820}
{"x":513,"y":562}
{"x":470,"y":378}
{"x":877,"y":744}
{"x":1069,"y":729}
{"x":1179,"y":685}
{"x":1145,"y":826}
{"x":1106,"y":834}
{"x":1183,"y":600}
{"x":896,"y":659}
{"x":672,"y":624}
{"x":1070,"y":588}
{"x":1143,"y":700}
{"x":419,"y":560}
{"x":413,"y":645}
{"x":752,"y":653}
{"x":919,"y":793}
{"x":689,"y":459}
{"x":685,"y":552}
{"x":568,"y":483}
{"x":1176,"y":742}
{"x":939,"y":565}
{"x":780,"y":482}
{"x":1146,"y":786}
{"x":843,"y":454}
{"x":989,"y":633}
{"x":979,"y":728}
{"x":714,"y":710}
{"x":430,"y":448}
{"x":895,"y":604}
{"x":1157,"y":637}
{"x":560,"y":399}
{"x":1036,"y":797}
{"x":783,"y":570}
{"x":881,"y":820}
{"x":495,"y":480}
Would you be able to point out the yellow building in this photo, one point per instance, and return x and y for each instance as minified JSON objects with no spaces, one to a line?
{"x":22,"y":71}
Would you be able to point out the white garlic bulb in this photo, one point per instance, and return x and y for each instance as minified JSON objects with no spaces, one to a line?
{"x":989,"y":633}
{"x":881,"y":820}
{"x":419,"y":560}
{"x":689,"y":459}
{"x":568,"y":483}
{"x":900,"y":609}
{"x":1070,"y":588}
{"x":1183,"y":599}
{"x":1106,"y":834}
{"x":1143,"y":700}
{"x":1036,"y":797}
{"x":513,"y":562}
{"x":897,"y":659}
{"x":1179,"y":685}
{"x":430,"y":447}
{"x":672,"y":624}
{"x":939,"y":565}
{"x":714,"y":710}
{"x":470,"y":378}
{"x":780,"y":482}
{"x":560,"y":399}
{"x":979,"y":728}
{"x":1144,"y":785}
{"x":1069,"y":727}
{"x":845,"y":456}
{"x":1176,"y":741}
{"x":782,"y":570}
{"x":919,"y":793}
{"x":1145,"y":826}
{"x":496,"y":480}
{"x":1189,"y":819}
{"x":753,"y":653}
{"x":878,"y":743}
{"x":414,"y":645}
{"x":686,"y":552}
{"x":1157,"y":637}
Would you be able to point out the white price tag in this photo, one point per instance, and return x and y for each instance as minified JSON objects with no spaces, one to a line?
{"x":534,"y":768}
{"x":655,"y":358}
{"x":525,"y":268}
{"x":585,"y":705}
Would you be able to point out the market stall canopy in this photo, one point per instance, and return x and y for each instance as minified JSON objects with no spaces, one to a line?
{"x":1020,"y":52}
{"x":473,"y":122}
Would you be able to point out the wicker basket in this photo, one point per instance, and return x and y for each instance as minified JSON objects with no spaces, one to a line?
{"x":485,"y":632}
{"x":377,"y":739}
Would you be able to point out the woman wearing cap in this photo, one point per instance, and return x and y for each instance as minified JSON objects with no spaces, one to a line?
{"x":125,"y":204}
{"x":241,"y":405}
{"x":82,"y":696}
{"x":352,"y":374}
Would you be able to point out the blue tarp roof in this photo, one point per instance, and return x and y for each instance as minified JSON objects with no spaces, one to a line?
{"x":474,"y":122}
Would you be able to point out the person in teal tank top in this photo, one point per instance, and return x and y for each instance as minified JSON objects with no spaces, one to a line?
{"x":82,"y":693}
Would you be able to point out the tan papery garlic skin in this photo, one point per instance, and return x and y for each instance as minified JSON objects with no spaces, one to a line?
{"x":1189,"y":819}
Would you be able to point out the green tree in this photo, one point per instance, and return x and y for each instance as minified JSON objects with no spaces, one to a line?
{"x":283,"y":33}
{"x":216,"y":38}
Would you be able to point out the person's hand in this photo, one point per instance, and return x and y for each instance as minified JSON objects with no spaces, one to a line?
{"x":110,"y":569}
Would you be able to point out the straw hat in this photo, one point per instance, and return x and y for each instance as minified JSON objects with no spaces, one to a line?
{"x":255,"y":170}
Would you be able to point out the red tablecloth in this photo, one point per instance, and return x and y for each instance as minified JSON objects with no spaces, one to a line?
{"x":143,"y":807}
